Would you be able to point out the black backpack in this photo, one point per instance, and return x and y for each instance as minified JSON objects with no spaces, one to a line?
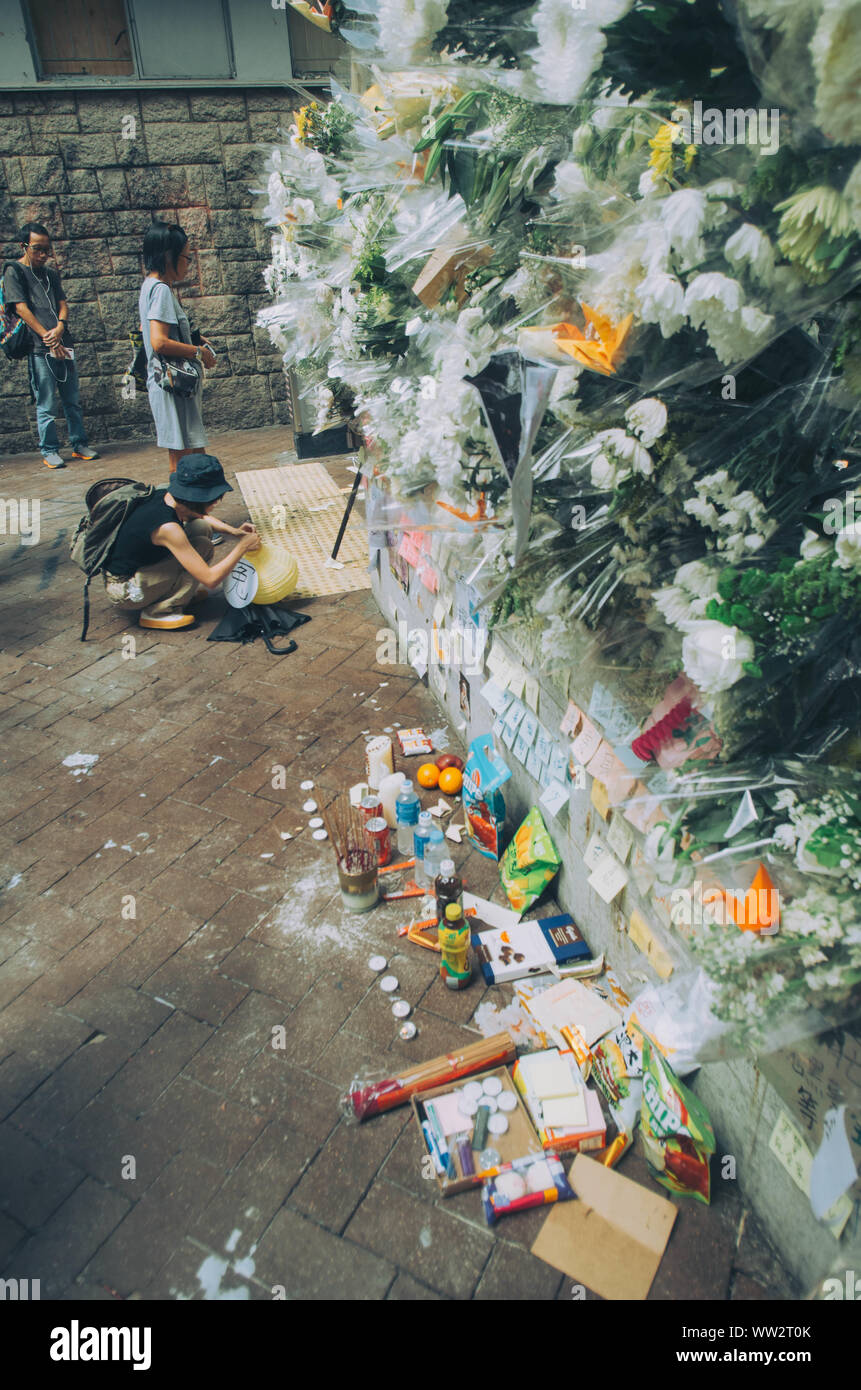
{"x":108,"y":502}
{"x":14,"y":333}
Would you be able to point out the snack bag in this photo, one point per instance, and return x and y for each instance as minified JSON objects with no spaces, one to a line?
{"x":483,"y":804}
{"x":529,"y":863}
{"x":678,"y":1139}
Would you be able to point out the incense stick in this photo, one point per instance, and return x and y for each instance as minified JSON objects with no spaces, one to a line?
{"x":345,"y":827}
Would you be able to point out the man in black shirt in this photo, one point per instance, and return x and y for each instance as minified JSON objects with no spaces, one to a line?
{"x":159,"y":562}
{"x":37,"y":296}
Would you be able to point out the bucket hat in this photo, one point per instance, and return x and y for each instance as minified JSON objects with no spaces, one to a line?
{"x":198,"y":478}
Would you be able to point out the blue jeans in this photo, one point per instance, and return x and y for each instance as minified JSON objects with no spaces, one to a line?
{"x":51,"y":378}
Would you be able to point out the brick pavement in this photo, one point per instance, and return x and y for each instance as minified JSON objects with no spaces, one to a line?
{"x":155,"y":928}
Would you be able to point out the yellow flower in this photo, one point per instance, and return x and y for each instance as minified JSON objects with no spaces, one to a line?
{"x":661,"y":158}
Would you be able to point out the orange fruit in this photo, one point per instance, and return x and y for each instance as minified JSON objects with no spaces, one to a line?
{"x":428,"y":775}
{"x":450,"y":780}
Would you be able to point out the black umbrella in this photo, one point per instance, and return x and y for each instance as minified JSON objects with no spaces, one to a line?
{"x":259,"y":620}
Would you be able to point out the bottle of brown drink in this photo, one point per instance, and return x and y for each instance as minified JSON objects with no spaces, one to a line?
{"x":448,"y":888}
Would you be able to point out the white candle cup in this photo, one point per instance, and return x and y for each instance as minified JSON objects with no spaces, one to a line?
{"x":389,"y":788}
{"x":380,"y":760}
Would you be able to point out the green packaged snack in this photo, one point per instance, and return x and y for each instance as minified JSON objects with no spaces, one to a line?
{"x":678,"y":1139}
{"x":529,"y":863}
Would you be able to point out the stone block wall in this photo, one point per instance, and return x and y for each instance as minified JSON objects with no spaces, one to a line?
{"x":93,"y":167}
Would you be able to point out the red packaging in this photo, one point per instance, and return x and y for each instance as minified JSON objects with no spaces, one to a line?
{"x":370,"y":807}
{"x":379,"y":838}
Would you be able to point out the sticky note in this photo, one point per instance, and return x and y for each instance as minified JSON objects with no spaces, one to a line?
{"x":571,"y":719}
{"x":645,"y":940}
{"x":619,"y":838}
{"x":558,"y":765}
{"x":594,"y":852}
{"x":517,"y":681}
{"x":586,"y":742}
{"x":495,"y":696}
{"x":534,"y":764}
{"x":555,"y":798}
{"x":544,"y":744}
{"x":529,"y":728}
{"x":609,"y":878}
{"x":531,"y":693}
{"x":521,"y":747}
{"x":600,"y":799}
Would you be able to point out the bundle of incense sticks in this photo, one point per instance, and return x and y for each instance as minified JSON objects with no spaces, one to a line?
{"x":373,"y":1098}
{"x":346,"y":829}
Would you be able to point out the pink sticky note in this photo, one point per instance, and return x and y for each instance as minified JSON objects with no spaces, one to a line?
{"x":587,"y":742}
{"x":571,"y":719}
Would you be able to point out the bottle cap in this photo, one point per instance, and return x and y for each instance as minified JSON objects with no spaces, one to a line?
{"x":424,"y":817}
{"x":447,"y":866}
{"x":452,"y":912}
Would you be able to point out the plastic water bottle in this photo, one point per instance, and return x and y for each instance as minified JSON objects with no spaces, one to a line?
{"x":435,"y":853}
{"x":421,"y":835}
{"x":407,"y":809}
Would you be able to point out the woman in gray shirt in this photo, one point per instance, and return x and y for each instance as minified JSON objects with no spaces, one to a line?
{"x":166,"y":330}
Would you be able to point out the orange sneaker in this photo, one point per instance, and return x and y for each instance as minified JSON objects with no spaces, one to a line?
{"x":169,"y":622}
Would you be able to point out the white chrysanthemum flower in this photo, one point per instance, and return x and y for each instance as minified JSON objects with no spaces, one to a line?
{"x":683,"y":215}
{"x":852,"y":194}
{"x":570,"y":46}
{"x":649,"y":183}
{"x":848,"y":547}
{"x":631,"y":451}
{"x":647,"y":419}
{"x":569,"y":182}
{"x":604,"y":473}
{"x":407,"y":26}
{"x":748,"y":246}
{"x":785,"y":798}
{"x":834,"y":49}
{"x":698,"y":578}
{"x":784,"y":837}
{"x":813,"y":546}
{"x":710,"y":293}
{"x":301,"y":210}
{"x":660,"y":298}
{"x":674,"y":605}
{"x":704,"y":512}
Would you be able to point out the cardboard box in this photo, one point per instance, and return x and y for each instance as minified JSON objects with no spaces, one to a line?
{"x":520,"y":1138}
{"x":613,"y":1238}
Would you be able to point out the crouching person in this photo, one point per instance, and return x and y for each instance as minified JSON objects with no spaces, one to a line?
{"x":159,"y":563}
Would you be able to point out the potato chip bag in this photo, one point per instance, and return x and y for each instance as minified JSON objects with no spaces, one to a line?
{"x":678,"y":1139}
{"x":529,"y":863}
